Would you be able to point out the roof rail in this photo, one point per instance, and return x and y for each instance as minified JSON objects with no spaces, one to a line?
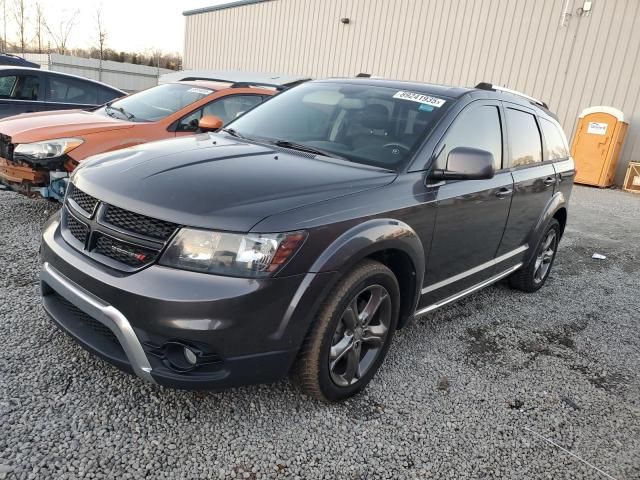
{"x":489,"y":86}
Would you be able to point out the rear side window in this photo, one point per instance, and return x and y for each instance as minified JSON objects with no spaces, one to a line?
{"x":524,"y":136}
{"x":476,"y":128}
{"x":20,"y":87}
{"x":555,"y":141}
{"x":70,"y":90}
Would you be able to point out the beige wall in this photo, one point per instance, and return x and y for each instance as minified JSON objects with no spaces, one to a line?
{"x":520,"y":44}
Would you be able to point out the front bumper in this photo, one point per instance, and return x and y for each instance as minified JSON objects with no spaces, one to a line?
{"x":242,"y":330}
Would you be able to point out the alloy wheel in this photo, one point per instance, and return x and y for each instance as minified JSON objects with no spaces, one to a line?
{"x":545,"y":256}
{"x":360,"y":335}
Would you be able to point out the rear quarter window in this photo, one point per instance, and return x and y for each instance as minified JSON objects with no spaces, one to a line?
{"x":105,"y":95}
{"x":556,"y":147}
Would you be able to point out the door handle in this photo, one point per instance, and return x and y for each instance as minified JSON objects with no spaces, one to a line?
{"x":504,"y":192}
{"x":549,"y":181}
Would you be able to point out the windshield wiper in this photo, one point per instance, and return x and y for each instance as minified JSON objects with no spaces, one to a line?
{"x":129,"y":116}
{"x":305,"y":148}
{"x":233,"y":133}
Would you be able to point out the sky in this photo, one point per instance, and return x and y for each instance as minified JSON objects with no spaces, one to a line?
{"x":131,"y":25}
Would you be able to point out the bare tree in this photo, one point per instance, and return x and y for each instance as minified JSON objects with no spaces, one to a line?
{"x":102,"y":37}
{"x":20,"y":16}
{"x":39,"y":27}
{"x":61,"y":34}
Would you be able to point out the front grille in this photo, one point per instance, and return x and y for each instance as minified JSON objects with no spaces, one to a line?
{"x":111,"y":235}
{"x":6,"y":147}
{"x":140,"y":224}
{"x":86,"y":320}
{"x":85,"y":201}
{"x":78,"y":229}
{"x":130,"y":255}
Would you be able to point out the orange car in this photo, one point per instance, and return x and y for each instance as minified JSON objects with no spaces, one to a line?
{"x":38,"y":150}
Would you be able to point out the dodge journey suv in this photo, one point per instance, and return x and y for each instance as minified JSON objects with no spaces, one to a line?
{"x":299,"y":238}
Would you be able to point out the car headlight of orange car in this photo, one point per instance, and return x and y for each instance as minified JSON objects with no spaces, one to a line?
{"x":47,"y":149}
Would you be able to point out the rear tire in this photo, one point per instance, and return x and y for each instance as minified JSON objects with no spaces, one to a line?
{"x":533,"y":276}
{"x":351,"y":334}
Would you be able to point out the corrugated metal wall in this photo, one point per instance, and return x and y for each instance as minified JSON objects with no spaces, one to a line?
{"x":593,"y":60}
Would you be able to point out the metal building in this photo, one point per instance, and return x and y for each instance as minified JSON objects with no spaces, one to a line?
{"x":571,"y":53}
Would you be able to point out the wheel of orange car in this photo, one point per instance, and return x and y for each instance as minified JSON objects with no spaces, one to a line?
{"x":351,"y":334}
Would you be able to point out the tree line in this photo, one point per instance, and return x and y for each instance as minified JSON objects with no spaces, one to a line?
{"x":34,"y":33}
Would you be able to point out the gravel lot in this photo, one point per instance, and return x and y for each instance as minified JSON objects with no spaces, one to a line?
{"x":500,"y":385}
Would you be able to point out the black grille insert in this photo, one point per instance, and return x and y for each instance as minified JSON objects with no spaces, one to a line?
{"x":78,"y":229}
{"x":137,"y":223}
{"x":85,"y":201}
{"x":130,"y":255}
{"x":86,"y":319}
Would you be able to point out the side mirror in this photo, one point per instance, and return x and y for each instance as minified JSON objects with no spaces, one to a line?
{"x":210,"y":123}
{"x":464,"y":163}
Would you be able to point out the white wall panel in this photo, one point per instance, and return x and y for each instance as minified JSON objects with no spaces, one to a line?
{"x":516,"y":43}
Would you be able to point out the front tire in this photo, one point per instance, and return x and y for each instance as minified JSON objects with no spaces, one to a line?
{"x":351,"y":335}
{"x":533,"y":276}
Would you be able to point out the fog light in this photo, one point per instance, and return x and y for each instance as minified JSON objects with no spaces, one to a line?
{"x":190,"y":356}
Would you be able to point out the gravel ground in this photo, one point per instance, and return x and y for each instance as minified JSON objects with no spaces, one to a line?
{"x":500,"y":385}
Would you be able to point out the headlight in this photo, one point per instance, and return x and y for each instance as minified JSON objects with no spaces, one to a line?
{"x":238,"y":255}
{"x":47,"y":149}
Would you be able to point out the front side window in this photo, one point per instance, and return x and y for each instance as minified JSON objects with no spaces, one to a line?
{"x":20,"y":87}
{"x":373,"y":125}
{"x":555,"y":141}
{"x":70,"y":90}
{"x":524,"y":138}
{"x":226,"y":108}
{"x":155,"y":103}
{"x":479,"y":128}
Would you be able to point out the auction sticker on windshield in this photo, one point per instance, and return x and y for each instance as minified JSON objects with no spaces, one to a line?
{"x":201,"y":91}
{"x":420,"y":98}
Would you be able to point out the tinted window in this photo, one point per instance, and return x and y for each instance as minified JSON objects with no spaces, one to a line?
{"x":524,"y":136}
{"x":105,"y":95}
{"x":157,"y":102}
{"x":226,"y":108}
{"x":555,"y":141}
{"x":6,"y":85}
{"x":21,"y":87}
{"x":70,"y":90}
{"x":475,"y":128}
{"x":362,"y":123}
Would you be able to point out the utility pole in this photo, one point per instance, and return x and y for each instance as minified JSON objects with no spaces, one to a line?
{"x":4,"y":31}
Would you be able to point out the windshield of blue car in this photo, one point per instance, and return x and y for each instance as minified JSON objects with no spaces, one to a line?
{"x":373,"y":125}
{"x":155,"y":103}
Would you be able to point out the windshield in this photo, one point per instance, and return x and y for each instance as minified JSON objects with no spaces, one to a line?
{"x":155,"y":103}
{"x":377,"y":126}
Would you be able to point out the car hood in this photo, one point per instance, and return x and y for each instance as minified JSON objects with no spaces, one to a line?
{"x":218,"y":182}
{"x":35,"y":127}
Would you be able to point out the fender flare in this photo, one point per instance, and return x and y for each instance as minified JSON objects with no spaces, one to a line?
{"x":370,"y":237}
{"x":555,"y":203}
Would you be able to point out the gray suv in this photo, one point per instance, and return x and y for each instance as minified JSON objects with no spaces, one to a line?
{"x":300,"y":237}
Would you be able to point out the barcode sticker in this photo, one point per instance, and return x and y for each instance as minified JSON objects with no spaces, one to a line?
{"x":420,"y":98}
